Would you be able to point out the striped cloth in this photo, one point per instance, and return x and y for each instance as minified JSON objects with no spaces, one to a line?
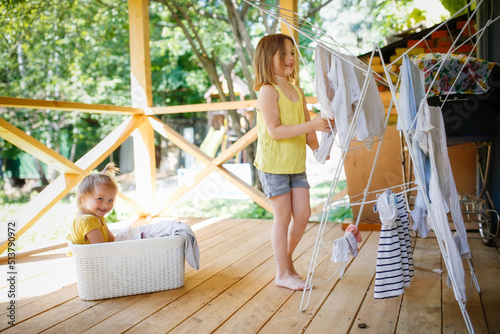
{"x":394,"y":258}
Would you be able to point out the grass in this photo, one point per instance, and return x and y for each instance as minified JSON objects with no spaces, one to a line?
{"x":53,"y":226}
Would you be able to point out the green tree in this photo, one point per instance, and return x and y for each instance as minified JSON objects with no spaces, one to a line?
{"x":63,"y":50}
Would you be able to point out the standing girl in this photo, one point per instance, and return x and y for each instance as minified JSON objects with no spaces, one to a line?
{"x":95,"y":198}
{"x":284,"y":129}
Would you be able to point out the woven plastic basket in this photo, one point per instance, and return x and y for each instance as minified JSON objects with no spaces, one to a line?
{"x":123,"y":268}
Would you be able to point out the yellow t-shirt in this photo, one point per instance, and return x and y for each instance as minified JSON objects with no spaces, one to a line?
{"x":82,"y":225}
{"x":285,"y":156}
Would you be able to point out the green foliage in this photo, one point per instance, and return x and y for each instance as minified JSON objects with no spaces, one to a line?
{"x":63,"y":50}
{"x":454,"y":6}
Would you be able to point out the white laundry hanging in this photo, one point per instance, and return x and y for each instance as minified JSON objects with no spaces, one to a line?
{"x":431,"y":137}
{"x":338,"y":88}
{"x":316,"y":35}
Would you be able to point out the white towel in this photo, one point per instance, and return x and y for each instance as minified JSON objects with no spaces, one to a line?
{"x":163,"y":229}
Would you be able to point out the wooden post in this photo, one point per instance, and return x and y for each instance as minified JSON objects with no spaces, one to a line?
{"x":289,"y":11}
{"x":142,"y":97}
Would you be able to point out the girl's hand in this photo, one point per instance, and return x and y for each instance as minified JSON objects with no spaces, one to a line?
{"x":321,"y":124}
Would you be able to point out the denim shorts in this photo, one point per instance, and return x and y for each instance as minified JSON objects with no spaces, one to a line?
{"x":279,"y":184}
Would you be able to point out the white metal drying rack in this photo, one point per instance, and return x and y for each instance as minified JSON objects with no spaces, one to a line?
{"x":292,"y":22}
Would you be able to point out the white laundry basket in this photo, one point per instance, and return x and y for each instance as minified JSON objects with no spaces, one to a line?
{"x":123,"y":268}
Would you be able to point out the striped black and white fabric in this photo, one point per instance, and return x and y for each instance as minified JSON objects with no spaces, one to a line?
{"x":394,"y":258}
{"x":404,"y":239}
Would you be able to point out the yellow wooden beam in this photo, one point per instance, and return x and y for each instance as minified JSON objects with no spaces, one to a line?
{"x":140,"y":61}
{"x":201,"y":107}
{"x":15,"y":102}
{"x":288,"y":13}
{"x":192,"y":149}
{"x":133,"y":205}
{"x":32,"y":211}
{"x":140,"y":65}
{"x":230,"y":152}
{"x":145,"y":165}
{"x":35,"y":148}
{"x":101,"y":151}
{"x":236,"y":147}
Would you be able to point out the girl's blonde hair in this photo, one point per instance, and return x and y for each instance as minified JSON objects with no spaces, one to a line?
{"x":263,"y":59}
{"x":90,"y":182}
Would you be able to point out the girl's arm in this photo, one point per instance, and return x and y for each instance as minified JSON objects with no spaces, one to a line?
{"x":95,"y":236}
{"x":268,"y":105}
{"x":111,"y":237}
{"x":311,"y":138}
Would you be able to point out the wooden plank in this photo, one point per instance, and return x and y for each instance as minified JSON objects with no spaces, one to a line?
{"x":14,"y":102}
{"x":421,"y":308}
{"x":37,"y":149}
{"x":221,"y":308}
{"x":98,"y":313}
{"x":289,"y":318}
{"x":32,"y":211}
{"x":51,"y":317}
{"x":175,"y":313}
{"x":52,"y":246}
{"x":486,"y":262}
{"x":43,"y":304}
{"x":140,"y":60}
{"x":192,"y":149}
{"x":379,"y":315}
{"x":234,"y":149}
{"x":138,"y":209}
{"x":36,"y":279}
{"x":252,"y":316}
{"x":111,"y":142}
{"x":247,"y":139}
{"x":213,"y":261}
{"x":201,"y":107}
{"x":452,"y":318}
{"x":343,"y":303}
{"x":145,"y":165}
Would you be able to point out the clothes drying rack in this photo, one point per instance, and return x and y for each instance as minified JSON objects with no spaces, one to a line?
{"x":314,"y":34}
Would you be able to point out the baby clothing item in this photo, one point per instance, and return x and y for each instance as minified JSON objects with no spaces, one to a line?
{"x":355,"y":231}
{"x":344,"y":246}
{"x":411,"y":94}
{"x":394,"y":258}
{"x":163,"y":229}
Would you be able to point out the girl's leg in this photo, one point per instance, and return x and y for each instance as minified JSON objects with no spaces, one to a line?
{"x":285,"y":276}
{"x":301,"y":211}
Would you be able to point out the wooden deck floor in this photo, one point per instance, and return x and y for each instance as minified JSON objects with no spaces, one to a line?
{"x":233,"y":292}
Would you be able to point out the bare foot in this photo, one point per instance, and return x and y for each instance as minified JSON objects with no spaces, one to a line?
{"x":293,"y":271}
{"x":292,"y":282}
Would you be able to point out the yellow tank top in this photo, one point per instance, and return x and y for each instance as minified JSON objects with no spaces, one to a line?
{"x":285,"y":156}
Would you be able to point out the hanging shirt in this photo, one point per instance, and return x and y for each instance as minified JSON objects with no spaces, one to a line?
{"x":411,"y":94}
{"x":284,"y":156}
{"x":431,"y":137}
{"x":338,"y":88}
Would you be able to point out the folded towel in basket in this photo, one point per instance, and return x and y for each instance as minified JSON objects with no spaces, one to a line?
{"x":162,"y":229}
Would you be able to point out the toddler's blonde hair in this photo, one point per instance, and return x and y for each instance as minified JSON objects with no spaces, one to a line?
{"x":90,"y":182}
